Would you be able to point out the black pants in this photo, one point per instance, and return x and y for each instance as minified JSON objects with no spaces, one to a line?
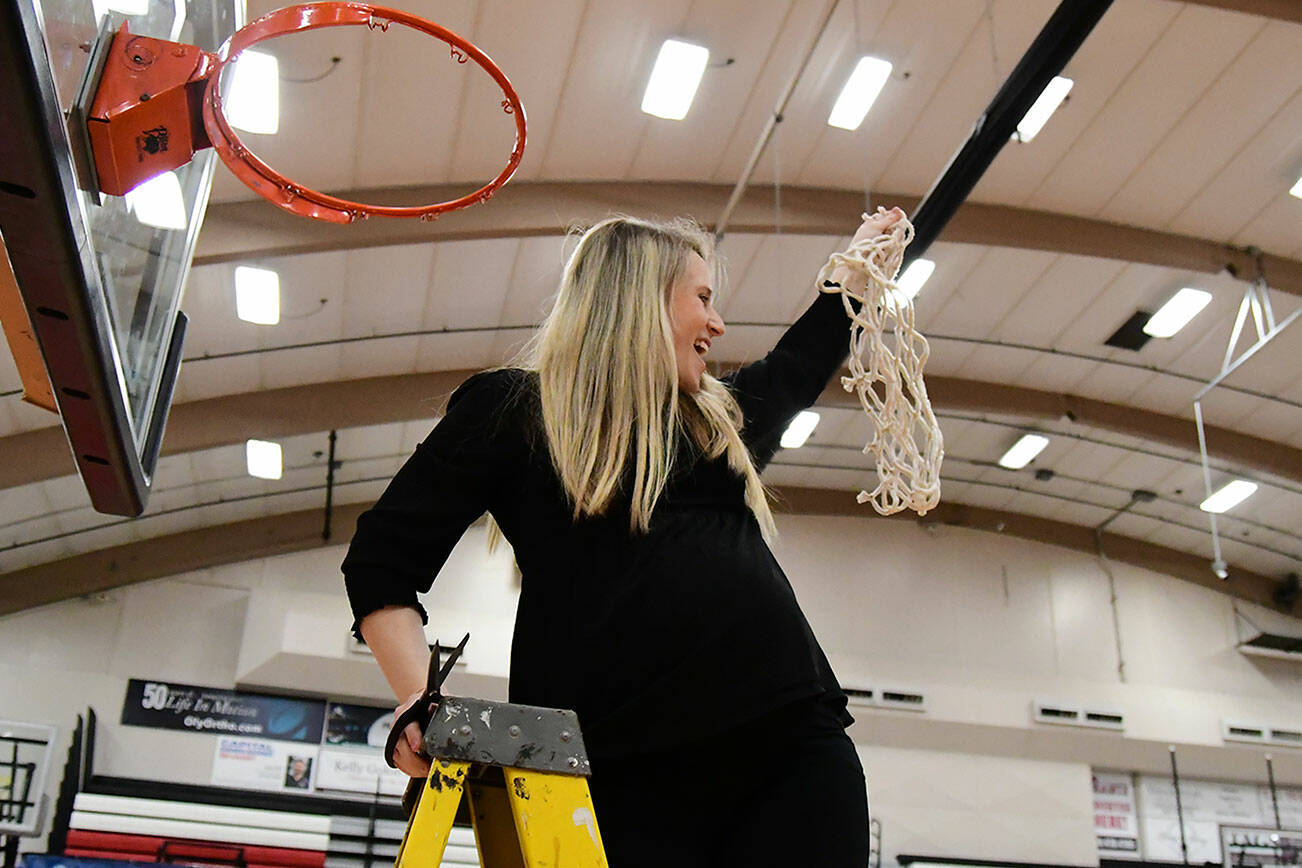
{"x":785,"y":790}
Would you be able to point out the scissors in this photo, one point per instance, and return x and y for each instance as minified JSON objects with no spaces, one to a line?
{"x":421,"y":711}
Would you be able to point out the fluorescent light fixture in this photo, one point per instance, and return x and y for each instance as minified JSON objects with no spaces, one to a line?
{"x":860,"y":92}
{"x":1176,"y":313}
{"x":257,"y":295}
{"x":910,"y":282}
{"x":263,"y":458}
{"x":100,"y":8}
{"x":1230,"y":495}
{"x":1297,"y":189}
{"x":674,"y":79}
{"x":1038,"y":114}
{"x":158,"y":202}
{"x":1023,"y":451}
{"x":253,"y":104}
{"x":799,"y":429}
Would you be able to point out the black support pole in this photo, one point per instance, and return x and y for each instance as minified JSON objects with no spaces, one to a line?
{"x":1274,"y":796}
{"x":330,"y":486}
{"x":1059,"y":39}
{"x":1179,"y":809}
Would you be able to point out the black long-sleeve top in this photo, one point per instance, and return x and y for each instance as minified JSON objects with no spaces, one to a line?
{"x":654,"y":639}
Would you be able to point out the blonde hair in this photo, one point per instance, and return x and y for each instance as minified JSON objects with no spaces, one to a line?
{"x":611,"y":407}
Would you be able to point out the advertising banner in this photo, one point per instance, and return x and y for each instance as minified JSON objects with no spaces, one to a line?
{"x":258,"y":764}
{"x":1115,"y":825}
{"x":222,"y":712}
{"x":357,"y":771}
{"x":1245,"y":847}
{"x":362,"y":725}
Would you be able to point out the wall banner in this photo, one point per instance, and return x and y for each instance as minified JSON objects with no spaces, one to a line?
{"x":1115,"y":825}
{"x":1259,"y":847}
{"x":361,"y":725}
{"x":257,"y":764}
{"x":357,"y":771}
{"x":165,"y":705}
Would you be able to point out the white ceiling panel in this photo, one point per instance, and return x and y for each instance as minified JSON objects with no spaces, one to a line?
{"x":752,"y":35}
{"x":1056,"y":373}
{"x":970,"y":80}
{"x":209,"y":378}
{"x":469,"y":283}
{"x":1200,"y":144}
{"x":1275,"y":421}
{"x":1108,"y":56}
{"x":990,"y":291}
{"x":378,"y":358}
{"x":538,"y":68}
{"x":413,"y":91}
{"x":1266,"y":167}
{"x":534,"y":280}
{"x":1175,"y":72}
{"x":598,"y":119}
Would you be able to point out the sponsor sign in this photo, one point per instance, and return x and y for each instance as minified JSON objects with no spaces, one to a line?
{"x":222,"y":712}
{"x":361,"y":725}
{"x":1115,"y":825}
{"x":357,"y":771}
{"x":257,"y":764}
{"x":1255,"y":847}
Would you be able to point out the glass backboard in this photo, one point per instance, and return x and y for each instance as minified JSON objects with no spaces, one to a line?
{"x":100,"y":279}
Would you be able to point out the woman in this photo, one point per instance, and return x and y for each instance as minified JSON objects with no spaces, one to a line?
{"x":626,"y":479}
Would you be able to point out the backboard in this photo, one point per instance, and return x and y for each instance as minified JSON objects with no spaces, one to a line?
{"x":25,"y":753}
{"x":100,"y":278}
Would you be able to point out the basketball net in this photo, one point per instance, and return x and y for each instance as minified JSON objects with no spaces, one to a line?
{"x":886,"y":349}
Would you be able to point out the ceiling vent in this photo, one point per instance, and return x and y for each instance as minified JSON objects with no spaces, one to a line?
{"x":1069,"y":714}
{"x":1131,"y":335}
{"x":886,"y":697}
{"x":860,"y":695}
{"x":1258,"y":733}
{"x":357,"y":646}
{"x":905,"y":700}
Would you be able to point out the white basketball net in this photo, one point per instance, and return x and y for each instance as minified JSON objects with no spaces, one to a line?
{"x":906,"y":440}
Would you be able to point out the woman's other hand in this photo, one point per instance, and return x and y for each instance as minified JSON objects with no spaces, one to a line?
{"x":407,"y":754}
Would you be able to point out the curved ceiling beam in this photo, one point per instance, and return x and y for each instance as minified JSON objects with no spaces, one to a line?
{"x":1284,"y":10}
{"x":294,"y":410}
{"x":247,"y":540}
{"x":239,"y":231}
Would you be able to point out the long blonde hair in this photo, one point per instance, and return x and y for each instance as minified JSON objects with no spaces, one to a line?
{"x":611,"y":406}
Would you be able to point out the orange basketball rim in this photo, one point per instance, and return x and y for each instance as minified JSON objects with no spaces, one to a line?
{"x":159,"y":102}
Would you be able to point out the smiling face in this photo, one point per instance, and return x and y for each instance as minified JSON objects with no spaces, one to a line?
{"x":694,"y":321}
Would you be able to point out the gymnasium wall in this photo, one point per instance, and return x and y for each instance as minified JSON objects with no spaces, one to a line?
{"x":978,"y":624}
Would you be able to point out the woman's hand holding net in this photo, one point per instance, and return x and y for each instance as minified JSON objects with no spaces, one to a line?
{"x":887,"y":355}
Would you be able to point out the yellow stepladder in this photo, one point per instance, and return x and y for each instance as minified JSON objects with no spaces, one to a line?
{"x":524,"y":769}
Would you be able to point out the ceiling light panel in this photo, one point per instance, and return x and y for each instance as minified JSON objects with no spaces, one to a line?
{"x":1043,"y":108}
{"x":263,"y":459}
{"x":674,"y":79}
{"x":257,"y":295}
{"x":799,"y":429}
{"x":911,"y":281}
{"x":1177,"y":312}
{"x":1229,"y":496}
{"x":1023,"y":452}
{"x":253,"y":103}
{"x":860,"y":92}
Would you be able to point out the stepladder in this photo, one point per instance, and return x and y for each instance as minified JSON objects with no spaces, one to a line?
{"x":517,"y":773}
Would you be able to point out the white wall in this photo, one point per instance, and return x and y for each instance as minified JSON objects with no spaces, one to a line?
{"x":979,"y":623}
